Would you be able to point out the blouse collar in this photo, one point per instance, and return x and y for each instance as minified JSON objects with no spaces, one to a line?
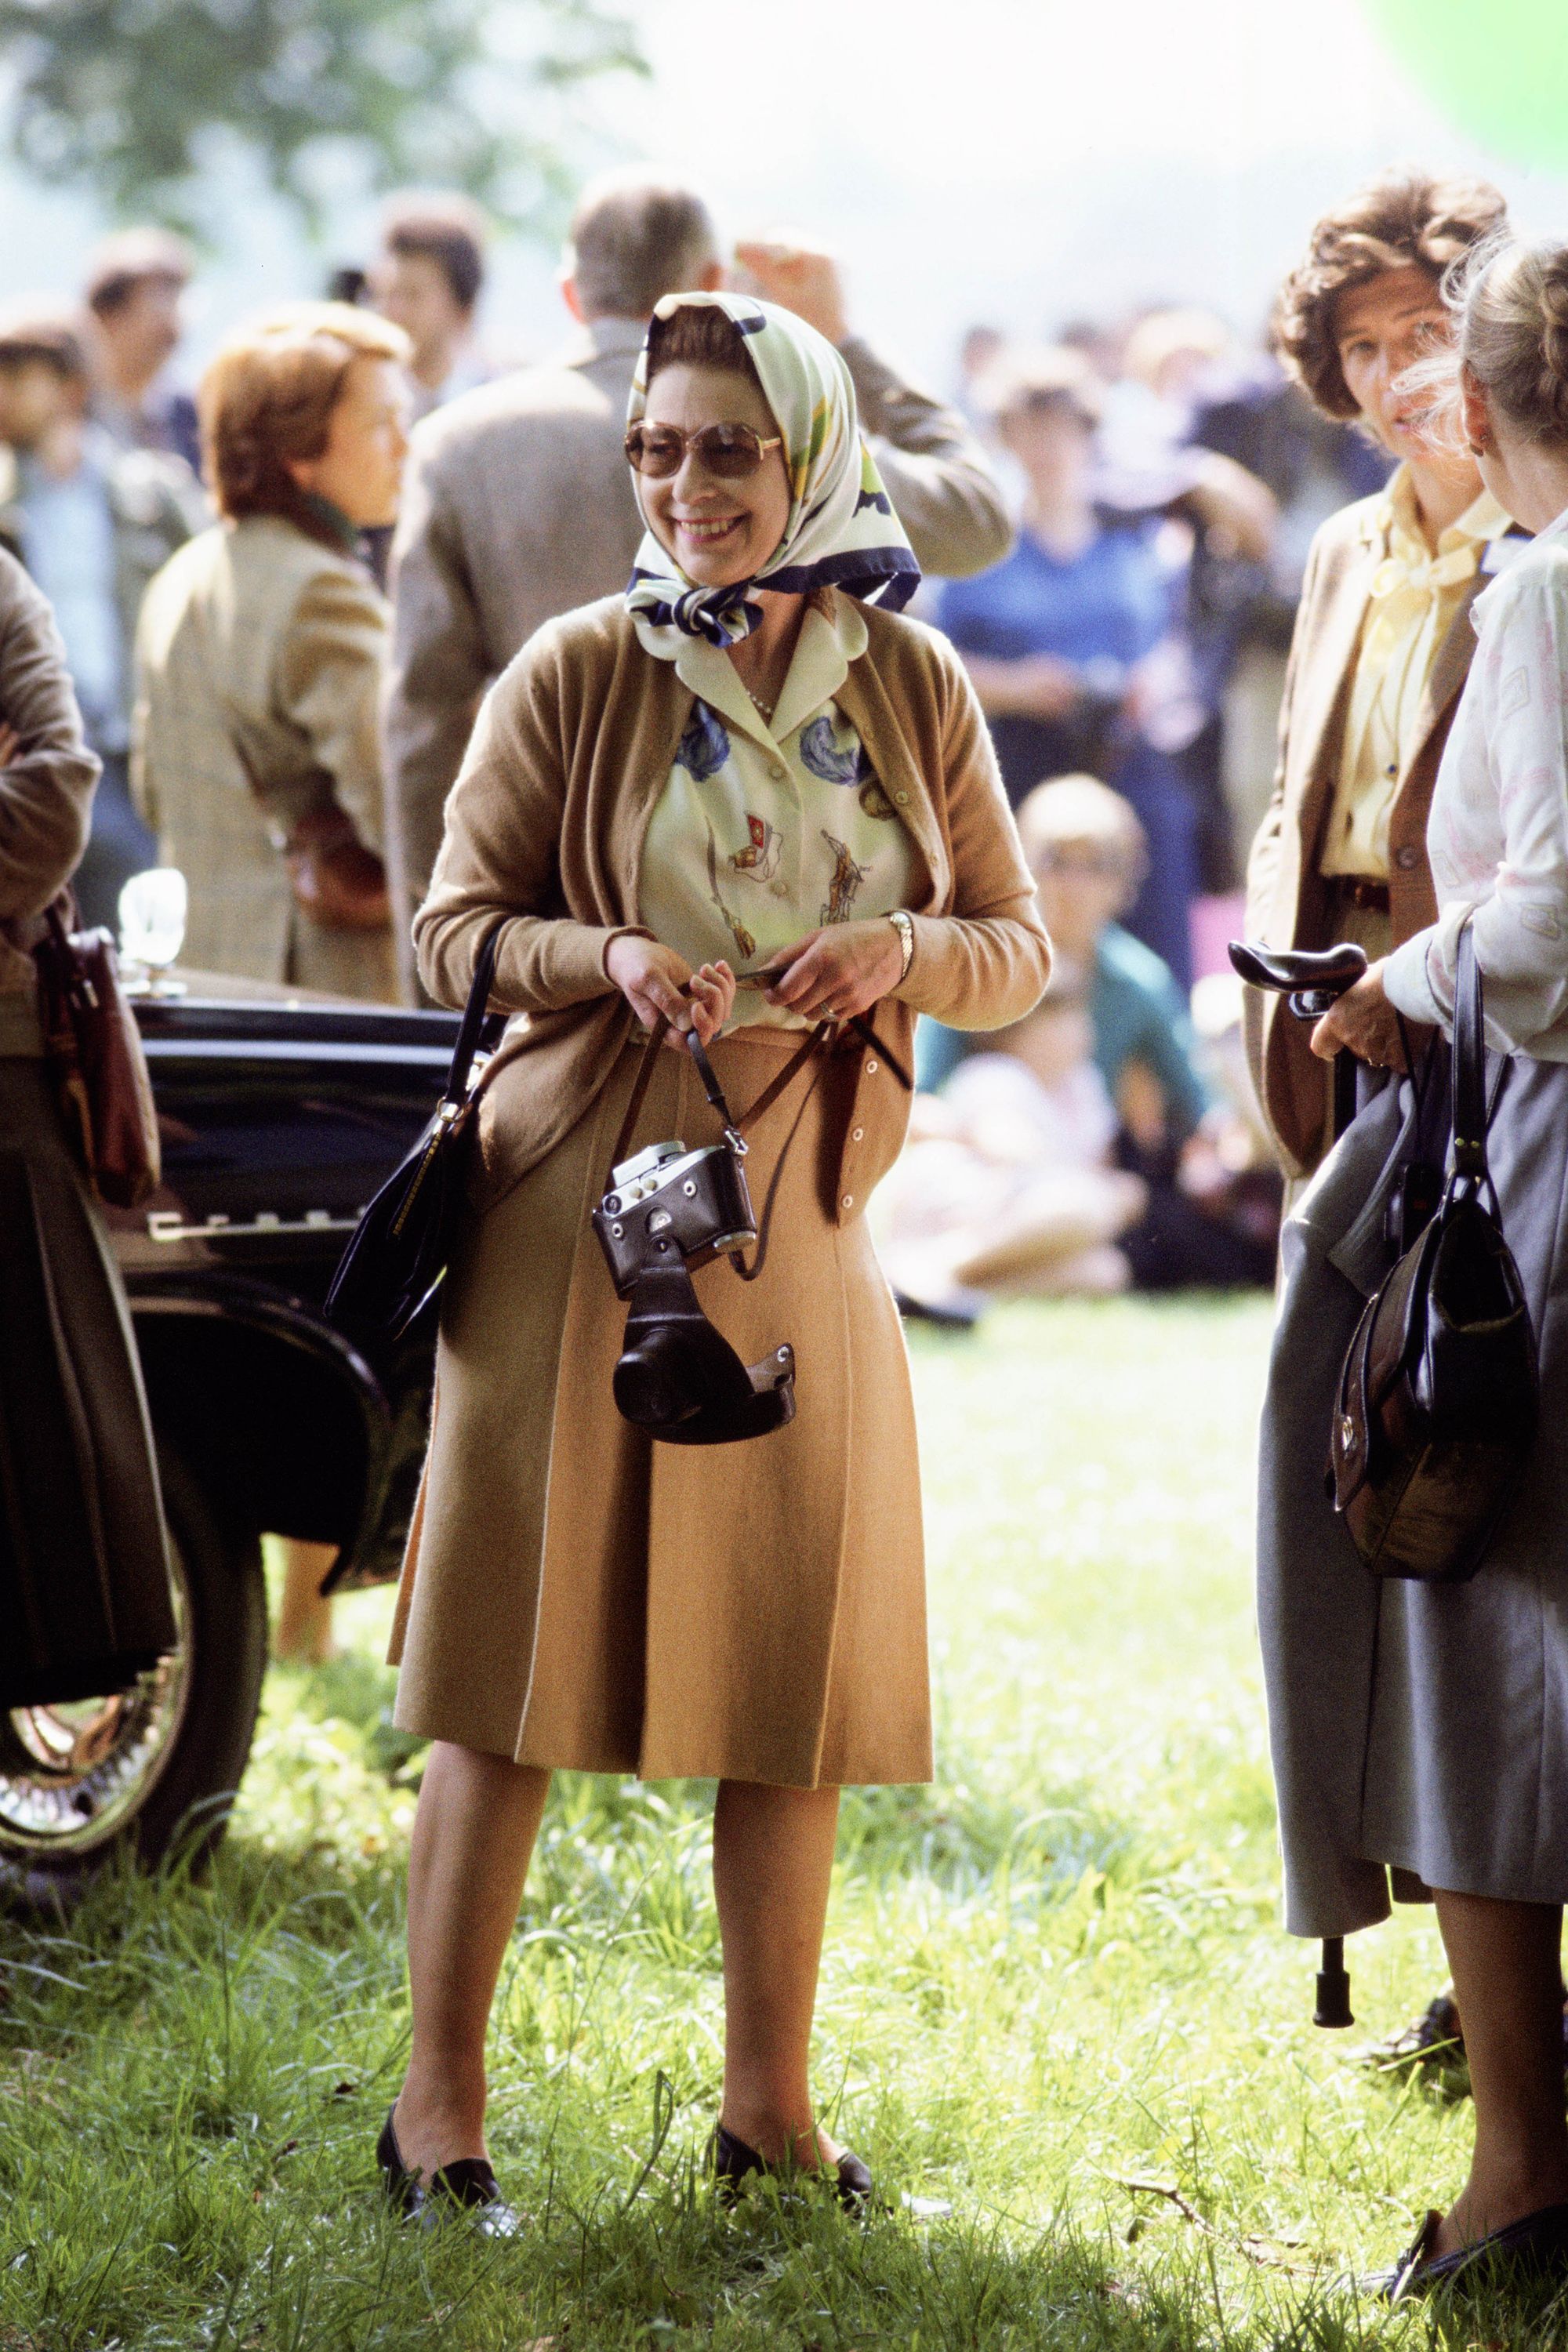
{"x":833,"y":635}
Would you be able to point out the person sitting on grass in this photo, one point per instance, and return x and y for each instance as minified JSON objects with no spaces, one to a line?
{"x":1083,"y":1148}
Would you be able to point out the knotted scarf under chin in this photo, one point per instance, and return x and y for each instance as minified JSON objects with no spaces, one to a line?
{"x":842,"y":531}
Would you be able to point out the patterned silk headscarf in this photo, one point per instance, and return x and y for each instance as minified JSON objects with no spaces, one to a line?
{"x":842,"y":531}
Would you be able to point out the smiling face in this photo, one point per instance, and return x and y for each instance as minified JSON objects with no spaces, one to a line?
{"x":719,"y":532}
{"x":1380,"y":330}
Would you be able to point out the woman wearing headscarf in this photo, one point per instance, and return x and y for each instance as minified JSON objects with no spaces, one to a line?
{"x":747,"y":765}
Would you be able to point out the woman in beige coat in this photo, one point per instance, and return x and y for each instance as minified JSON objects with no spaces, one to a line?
{"x":747,"y":765}
{"x":260,"y":655}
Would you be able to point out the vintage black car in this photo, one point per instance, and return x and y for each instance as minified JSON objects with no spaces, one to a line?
{"x":281,"y":1118}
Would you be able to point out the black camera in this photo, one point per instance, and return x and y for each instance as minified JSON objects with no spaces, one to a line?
{"x":667,"y":1210}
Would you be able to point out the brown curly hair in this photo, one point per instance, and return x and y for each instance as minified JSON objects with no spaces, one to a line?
{"x":270,"y":394}
{"x":1403,"y":220}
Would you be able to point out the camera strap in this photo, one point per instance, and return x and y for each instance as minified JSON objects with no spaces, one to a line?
{"x":734,"y":1128}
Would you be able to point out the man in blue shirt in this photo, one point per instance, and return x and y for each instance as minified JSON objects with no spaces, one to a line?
{"x":91,"y":522}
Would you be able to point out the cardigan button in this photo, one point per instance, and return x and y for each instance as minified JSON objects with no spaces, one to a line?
{"x":776,"y":773}
{"x":902,"y":799}
{"x":871,"y":1067}
{"x":1406,"y":857}
{"x":848,"y":1200}
{"x":856,"y":1135}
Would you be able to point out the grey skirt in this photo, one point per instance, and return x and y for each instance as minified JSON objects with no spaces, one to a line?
{"x":1417,"y":1730}
{"x":84,"y":1578}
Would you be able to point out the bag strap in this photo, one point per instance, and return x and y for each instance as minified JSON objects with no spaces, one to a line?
{"x":1469,"y":1095}
{"x":471,"y":1025}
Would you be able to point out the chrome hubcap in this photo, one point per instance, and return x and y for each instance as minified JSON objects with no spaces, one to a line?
{"x":72,"y":1775}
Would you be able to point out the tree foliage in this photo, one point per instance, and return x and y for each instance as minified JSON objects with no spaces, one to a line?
{"x":130,"y":98}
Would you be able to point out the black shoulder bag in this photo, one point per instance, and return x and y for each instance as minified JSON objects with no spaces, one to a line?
{"x":1439,"y":1393}
{"x":398,"y":1251}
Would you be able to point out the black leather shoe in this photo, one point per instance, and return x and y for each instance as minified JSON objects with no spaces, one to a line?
{"x":1533,"y":2248}
{"x":1434,"y":2039}
{"x":733,"y":2160}
{"x":469,"y":2186}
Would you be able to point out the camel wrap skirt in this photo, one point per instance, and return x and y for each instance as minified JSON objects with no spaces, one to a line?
{"x":576,"y":1594}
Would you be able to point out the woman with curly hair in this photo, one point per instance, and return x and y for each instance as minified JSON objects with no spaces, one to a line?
{"x":1382,"y":638}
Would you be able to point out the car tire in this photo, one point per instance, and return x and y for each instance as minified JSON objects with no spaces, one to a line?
{"x":152,"y":1773}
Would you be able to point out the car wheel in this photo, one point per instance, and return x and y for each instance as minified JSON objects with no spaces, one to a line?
{"x":154,"y":1767}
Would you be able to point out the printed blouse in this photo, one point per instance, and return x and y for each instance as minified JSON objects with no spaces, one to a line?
{"x":1498,"y":834}
{"x":767,"y":829}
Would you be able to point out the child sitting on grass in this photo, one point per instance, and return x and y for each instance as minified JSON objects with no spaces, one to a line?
{"x":1080,"y":1150}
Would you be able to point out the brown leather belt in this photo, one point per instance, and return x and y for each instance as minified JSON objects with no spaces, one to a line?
{"x":1362,"y":890}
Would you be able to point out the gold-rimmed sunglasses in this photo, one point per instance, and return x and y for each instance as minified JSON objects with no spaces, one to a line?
{"x":729,"y":452}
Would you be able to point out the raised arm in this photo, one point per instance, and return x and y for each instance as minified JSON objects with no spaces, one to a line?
{"x":46,"y":789}
{"x":935,"y":472}
{"x":933,"y":467}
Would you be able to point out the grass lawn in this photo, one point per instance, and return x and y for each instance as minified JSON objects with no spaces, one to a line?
{"x":1055,"y":1974}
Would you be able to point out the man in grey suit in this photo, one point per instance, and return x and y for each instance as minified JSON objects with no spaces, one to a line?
{"x":517,"y":504}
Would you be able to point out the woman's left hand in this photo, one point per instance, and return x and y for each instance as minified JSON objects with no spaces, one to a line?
{"x":837,"y":972}
{"x":1365,"y":1021}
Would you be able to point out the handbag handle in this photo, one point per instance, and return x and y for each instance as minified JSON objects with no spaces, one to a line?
{"x":1469,"y":1064}
{"x":470,"y":1027}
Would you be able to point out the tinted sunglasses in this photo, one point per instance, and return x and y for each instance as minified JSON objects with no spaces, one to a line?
{"x":729,"y":452}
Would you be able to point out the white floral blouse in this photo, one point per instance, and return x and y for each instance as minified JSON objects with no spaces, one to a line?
{"x":767,"y":830}
{"x":1498,"y":834}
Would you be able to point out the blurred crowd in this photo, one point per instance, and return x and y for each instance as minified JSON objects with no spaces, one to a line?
{"x":285,"y":588}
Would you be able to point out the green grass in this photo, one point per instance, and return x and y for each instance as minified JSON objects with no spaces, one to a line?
{"x":1055,"y":1972}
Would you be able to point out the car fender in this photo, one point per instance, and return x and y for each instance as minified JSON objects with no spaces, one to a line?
{"x":278,"y":1415}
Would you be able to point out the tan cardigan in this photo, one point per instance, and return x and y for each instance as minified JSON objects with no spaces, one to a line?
{"x":1288,"y":899}
{"x":546,"y":824}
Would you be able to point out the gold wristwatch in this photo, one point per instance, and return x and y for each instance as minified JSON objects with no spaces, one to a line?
{"x":904,"y":926}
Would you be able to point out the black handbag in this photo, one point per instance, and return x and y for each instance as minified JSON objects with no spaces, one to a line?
{"x":1438,"y":1396}
{"x":398,"y":1251}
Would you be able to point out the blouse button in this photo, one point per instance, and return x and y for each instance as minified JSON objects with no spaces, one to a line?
{"x":776,"y":773}
{"x":856,"y":1135}
{"x":871,"y":1067}
{"x":902,"y":799}
{"x":1406,"y":857}
{"x":848,"y":1200}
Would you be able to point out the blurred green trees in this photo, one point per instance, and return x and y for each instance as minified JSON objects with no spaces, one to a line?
{"x":133,"y":99}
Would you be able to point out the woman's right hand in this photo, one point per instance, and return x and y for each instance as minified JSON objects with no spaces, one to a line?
{"x":654,"y":980}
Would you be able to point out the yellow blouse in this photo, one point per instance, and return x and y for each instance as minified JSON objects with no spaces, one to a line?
{"x":1414,"y":596}
{"x":767,"y":829}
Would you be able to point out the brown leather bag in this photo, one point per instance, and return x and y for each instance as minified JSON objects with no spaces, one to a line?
{"x":1439,"y":1391}
{"x":337,"y":881}
{"x":93,"y":1049}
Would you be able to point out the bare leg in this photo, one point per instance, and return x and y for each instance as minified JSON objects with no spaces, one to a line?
{"x":1506,"y":1959}
{"x":773,"y":1863}
{"x":304,"y":1634}
{"x":473,"y":1836}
